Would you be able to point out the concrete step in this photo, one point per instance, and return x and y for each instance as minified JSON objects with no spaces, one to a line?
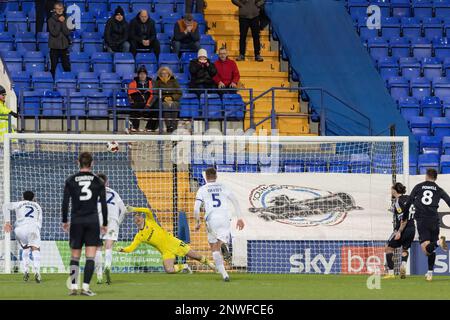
{"x":248,"y":65}
{"x":264,"y":84}
{"x":278,"y":94}
{"x":293,"y":107}
{"x":233,"y":44}
{"x":271,"y":56}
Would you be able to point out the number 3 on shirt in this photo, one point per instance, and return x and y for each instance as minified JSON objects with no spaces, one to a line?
{"x":86,"y":193}
{"x":216,"y":200}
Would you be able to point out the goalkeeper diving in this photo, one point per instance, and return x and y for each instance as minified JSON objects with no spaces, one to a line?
{"x":170,"y":247}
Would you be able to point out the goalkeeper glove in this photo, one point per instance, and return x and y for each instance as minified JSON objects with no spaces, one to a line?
{"x":130,"y":209}
{"x":118,"y":249}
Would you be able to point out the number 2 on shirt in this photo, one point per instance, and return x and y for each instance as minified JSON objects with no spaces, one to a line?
{"x":86,"y":193}
{"x":29,"y":213}
{"x":216,"y":200}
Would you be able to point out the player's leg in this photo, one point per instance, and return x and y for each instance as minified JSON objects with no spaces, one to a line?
{"x":26,"y":262}
{"x":99,"y":264}
{"x":91,"y":241}
{"x":406,"y":241}
{"x":109,"y":244}
{"x":218,"y":259}
{"x":76,"y":244}
{"x":36,"y":254}
{"x":389,"y":250}
{"x":200,"y":258}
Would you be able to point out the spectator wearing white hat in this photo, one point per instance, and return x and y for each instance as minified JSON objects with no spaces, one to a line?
{"x":202,"y":72}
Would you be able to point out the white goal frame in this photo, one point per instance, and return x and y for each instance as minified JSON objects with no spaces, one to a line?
{"x":139,"y":138}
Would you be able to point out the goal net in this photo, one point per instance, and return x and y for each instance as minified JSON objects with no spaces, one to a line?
{"x":310,"y":204}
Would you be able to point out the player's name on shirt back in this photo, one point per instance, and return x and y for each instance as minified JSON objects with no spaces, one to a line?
{"x":84,"y":178}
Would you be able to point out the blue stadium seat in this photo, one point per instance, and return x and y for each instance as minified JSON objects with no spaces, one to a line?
{"x":431,"y":68}
{"x":164,"y":7}
{"x":411,"y":27}
{"x":378,"y":48}
{"x":98,"y":7}
{"x":75,"y":38}
{"x":189,"y":106}
{"x":97,"y":105}
{"x":442,"y":48}
{"x":6,"y":41}
{"x":420,"y":126}
{"x":80,"y":62}
{"x":170,"y":60}
{"x":413,"y":163}
{"x":400,"y":8}
{"x":42,"y":42}
{"x":226,"y":168}
{"x":360,"y":163}
{"x":445,"y":163}
{"x":233,"y":106}
{"x":409,"y":107}
{"x":431,"y":107}
{"x":390,"y":27}
{"x":165,"y":42}
{"x":446,"y":145}
{"x":440,"y":126}
{"x":421,"y":48}
{"x":358,"y":7}
{"x":66,"y":82}
{"x":125,"y":4}
{"x":42,"y":80}
{"x":102,"y":62}
{"x":21,"y":81}
{"x":410,"y":68}
{"x":398,"y":87}
{"x":422,"y":8}
{"x":300,"y":167}
{"x":211,"y":106}
{"x":441,"y":8}
{"x":207,"y":42}
{"x":148,"y":60}
{"x":138,"y":5}
{"x":446,"y":66}
{"x":420,"y":88}
{"x":197,"y":170}
{"x":88,"y":21}
{"x":34,"y":61}
{"x":388,"y":67}
{"x":31,"y":103}
{"x":25,"y":41}
{"x":88,"y":82}
{"x":248,"y":168}
{"x":186,"y":57}
{"x":441,"y":87}
{"x":430,"y":145}
{"x":428,"y":161}
{"x":77,"y":104}
{"x":52,"y":104}
{"x":399,"y":47}
{"x":432,"y":28}
{"x":101,"y":20}
{"x":110,"y":83}
{"x":316,"y":165}
{"x":16,"y":21}
{"x":447,"y":26}
{"x":124,"y":63}
{"x":91,"y":42}
{"x":364,"y":31}
{"x":13,"y":60}
{"x":122,"y":100}
{"x":339,"y":166}
{"x":446,"y":106}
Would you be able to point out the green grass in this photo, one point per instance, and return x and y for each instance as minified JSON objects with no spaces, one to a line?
{"x":242,"y":286}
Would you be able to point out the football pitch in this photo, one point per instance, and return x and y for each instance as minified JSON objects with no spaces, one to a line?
{"x":242,"y":286}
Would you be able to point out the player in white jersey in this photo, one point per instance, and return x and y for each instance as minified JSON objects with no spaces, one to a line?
{"x":215,"y":198}
{"x":116,"y":214}
{"x":28,"y":231}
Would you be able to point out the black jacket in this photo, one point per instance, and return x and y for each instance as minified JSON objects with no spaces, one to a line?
{"x":116,"y":32}
{"x":190,"y":37}
{"x":202,"y":73}
{"x":58,"y":33}
{"x":249,"y":9}
{"x":142,"y":31}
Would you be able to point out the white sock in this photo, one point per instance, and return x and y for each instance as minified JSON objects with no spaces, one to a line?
{"x":25,"y":259}
{"x":404,"y":264}
{"x":36,"y":261}
{"x":218,"y":260}
{"x":85,"y":286}
{"x":99,"y":263}
{"x":391,"y":272}
{"x":108,"y":258}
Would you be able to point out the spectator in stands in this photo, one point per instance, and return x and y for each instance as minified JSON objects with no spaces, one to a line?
{"x":227,"y":72}
{"x":143,"y":34}
{"x":116,"y":32}
{"x":249,"y":16}
{"x":170,"y":96}
{"x":186,"y":35}
{"x":202,"y":72}
{"x":58,"y":40}
{"x":43,"y":7}
{"x":4,"y":112}
{"x":200,"y":5}
{"x":140,"y":93}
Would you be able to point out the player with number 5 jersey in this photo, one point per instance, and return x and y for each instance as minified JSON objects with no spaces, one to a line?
{"x":28,"y":231}
{"x":86,"y":190}
{"x":426,"y":197}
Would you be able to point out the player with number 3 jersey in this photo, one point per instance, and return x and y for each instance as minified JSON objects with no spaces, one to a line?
{"x":426,"y":197}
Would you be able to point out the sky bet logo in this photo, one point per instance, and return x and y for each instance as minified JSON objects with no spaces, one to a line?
{"x":351,"y":260}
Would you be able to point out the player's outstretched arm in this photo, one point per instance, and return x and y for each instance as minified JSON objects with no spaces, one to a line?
{"x":7,"y":208}
{"x":411,"y":199}
{"x":147,"y":211}
{"x":136,"y":242}
{"x":237,"y":211}
{"x":197,"y":206}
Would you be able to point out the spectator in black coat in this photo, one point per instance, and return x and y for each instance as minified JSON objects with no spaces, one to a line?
{"x":43,"y":9}
{"x":202,"y":72}
{"x":143,"y":34}
{"x":116,"y":32}
{"x":186,"y":35}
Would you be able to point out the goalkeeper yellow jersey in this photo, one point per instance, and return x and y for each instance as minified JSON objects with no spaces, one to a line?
{"x":153,"y":234}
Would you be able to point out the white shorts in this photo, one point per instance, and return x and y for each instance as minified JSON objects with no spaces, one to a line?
{"x":113,"y":231}
{"x":28,"y":235}
{"x":218,"y":229}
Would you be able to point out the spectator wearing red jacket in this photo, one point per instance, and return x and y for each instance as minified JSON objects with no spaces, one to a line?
{"x":227,"y":72}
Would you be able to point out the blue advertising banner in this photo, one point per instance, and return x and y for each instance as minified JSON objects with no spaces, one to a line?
{"x":419,"y":261}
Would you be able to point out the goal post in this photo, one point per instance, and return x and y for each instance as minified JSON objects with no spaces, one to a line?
{"x":303,"y":198}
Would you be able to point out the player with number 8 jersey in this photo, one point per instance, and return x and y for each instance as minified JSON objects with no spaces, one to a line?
{"x":86,"y":190}
{"x":426,"y":197}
